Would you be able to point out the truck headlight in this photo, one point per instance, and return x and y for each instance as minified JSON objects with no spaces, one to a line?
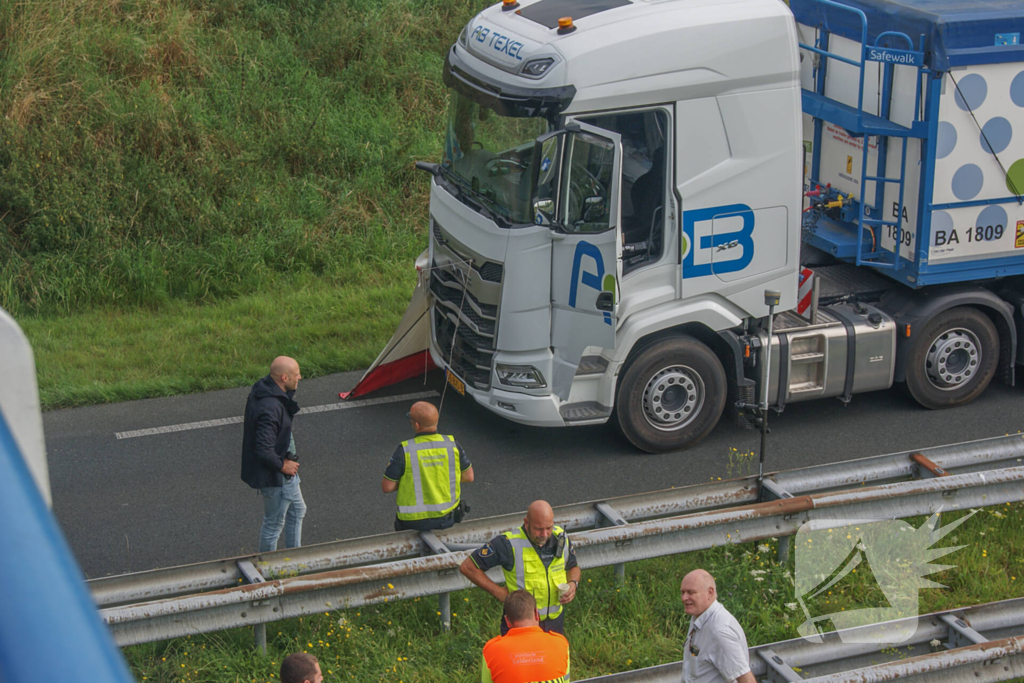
{"x":537,"y":67}
{"x":522,"y":376}
{"x":464,"y":38}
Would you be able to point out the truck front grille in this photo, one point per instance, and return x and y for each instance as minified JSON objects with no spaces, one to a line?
{"x":491,"y":271}
{"x":449,"y":290}
{"x":464,"y":328}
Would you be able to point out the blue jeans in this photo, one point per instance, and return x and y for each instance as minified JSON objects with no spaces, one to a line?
{"x":283,"y":508}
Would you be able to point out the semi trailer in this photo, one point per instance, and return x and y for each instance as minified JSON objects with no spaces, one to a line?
{"x":656,"y":212}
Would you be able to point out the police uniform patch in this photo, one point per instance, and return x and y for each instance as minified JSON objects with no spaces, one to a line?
{"x":486,"y":550}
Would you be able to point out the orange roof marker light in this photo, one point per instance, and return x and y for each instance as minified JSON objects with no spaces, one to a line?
{"x":565,"y":26}
{"x":507,"y":5}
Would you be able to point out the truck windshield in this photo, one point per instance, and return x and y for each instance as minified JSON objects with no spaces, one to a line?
{"x":490,"y":155}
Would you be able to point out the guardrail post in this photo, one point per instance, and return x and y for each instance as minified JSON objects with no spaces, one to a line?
{"x":784,"y":549}
{"x":778,"y":670}
{"x":444,"y":606}
{"x":611,"y":517}
{"x":252,"y":575}
{"x":432,"y":545}
{"x":960,"y":633}
{"x":926,"y":469}
{"x":772,"y":491}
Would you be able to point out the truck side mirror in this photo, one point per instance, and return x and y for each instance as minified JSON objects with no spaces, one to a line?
{"x":545,"y":206}
{"x":547,"y":162}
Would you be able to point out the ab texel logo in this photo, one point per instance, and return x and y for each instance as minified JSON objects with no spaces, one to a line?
{"x":891,"y":555}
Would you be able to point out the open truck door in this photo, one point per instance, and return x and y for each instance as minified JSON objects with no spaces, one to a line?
{"x":579,"y":199}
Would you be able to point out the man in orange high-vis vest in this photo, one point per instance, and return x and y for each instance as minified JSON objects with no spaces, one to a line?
{"x":526,"y":654}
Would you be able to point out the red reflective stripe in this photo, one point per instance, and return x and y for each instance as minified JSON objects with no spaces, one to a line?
{"x":391,"y":373}
{"x":805,"y":291}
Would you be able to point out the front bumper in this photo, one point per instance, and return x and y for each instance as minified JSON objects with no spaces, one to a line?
{"x":533,"y":410}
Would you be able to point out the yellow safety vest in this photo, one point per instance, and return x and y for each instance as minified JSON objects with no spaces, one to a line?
{"x":530,"y":573}
{"x":430,"y":486}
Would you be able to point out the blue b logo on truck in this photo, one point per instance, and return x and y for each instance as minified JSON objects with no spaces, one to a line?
{"x":707,"y":251}
{"x":595,"y":280}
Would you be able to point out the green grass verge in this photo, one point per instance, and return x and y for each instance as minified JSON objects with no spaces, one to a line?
{"x":112,"y":355}
{"x":173,"y":170}
{"x":611,"y":628}
{"x":185,"y":150}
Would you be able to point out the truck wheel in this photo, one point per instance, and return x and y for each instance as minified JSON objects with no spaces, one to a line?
{"x":953,"y":359}
{"x":671,"y":395}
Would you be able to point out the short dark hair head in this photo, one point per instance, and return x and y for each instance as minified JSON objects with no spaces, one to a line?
{"x":519,"y":606}
{"x":298,"y":667}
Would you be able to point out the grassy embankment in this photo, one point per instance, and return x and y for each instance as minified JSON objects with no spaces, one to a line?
{"x":189,"y":188}
{"x":611,"y":628}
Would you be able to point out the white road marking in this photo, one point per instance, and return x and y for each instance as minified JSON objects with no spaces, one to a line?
{"x":343,"y":405}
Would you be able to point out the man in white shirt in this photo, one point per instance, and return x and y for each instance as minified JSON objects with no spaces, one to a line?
{"x":716,"y":649}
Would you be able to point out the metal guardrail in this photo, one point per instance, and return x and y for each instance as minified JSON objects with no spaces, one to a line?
{"x":190,"y":579}
{"x":708,"y":524}
{"x":983,"y":643}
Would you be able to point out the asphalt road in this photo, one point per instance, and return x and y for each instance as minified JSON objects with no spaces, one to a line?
{"x":138,"y":503}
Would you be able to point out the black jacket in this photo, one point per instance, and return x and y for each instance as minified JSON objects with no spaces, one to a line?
{"x":266,"y":433}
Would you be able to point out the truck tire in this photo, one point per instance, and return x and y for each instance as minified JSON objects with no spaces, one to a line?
{"x":953,"y":359}
{"x":671,"y":395}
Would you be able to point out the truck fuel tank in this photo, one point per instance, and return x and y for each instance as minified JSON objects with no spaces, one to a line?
{"x":850,"y":349}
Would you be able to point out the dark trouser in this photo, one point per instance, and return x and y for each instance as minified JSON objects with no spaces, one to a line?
{"x":556,"y":625}
{"x":433,"y":524}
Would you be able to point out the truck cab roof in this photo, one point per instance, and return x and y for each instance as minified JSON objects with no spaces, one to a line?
{"x":634,"y":52}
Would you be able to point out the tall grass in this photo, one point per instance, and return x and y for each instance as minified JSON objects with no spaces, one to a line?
{"x":154,"y":151}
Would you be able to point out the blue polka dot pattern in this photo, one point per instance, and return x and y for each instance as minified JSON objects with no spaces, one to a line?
{"x":997,"y":132}
{"x":941,"y":221}
{"x":992,"y":215}
{"x":945,"y":142}
{"x":971,"y":91}
{"x":1017,"y":89}
{"x":967,"y":182}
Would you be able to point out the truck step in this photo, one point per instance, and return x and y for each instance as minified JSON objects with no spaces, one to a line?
{"x":592,"y":365}
{"x":812,"y":357}
{"x":584,"y":412}
{"x":803,"y":387}
{"x":789,"y":321}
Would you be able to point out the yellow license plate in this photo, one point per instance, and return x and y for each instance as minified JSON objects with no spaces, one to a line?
{"x":456,"y":383}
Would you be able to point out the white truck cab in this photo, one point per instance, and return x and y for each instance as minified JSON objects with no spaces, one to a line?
{"x":623,"y":181}
{"x":608,"y":195}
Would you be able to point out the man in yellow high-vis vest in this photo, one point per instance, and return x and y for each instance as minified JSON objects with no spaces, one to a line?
{"x":428,"y":472}
{"x":537,"y":557}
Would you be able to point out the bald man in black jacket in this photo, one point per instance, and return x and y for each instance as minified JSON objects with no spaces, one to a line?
{"x":269,"y":462}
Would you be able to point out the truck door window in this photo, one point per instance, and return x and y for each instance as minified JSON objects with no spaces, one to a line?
{"x":644,"y":181}
{"x":588,"y":182}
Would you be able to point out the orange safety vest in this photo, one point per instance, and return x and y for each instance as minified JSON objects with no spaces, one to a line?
{"x":526,"y":655}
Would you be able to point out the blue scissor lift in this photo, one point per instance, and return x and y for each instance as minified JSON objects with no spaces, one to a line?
{"x":941,"y":42}
{"x":856,"y":237}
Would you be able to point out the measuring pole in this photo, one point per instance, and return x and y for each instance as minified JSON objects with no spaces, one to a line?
{"x":771,"y":300}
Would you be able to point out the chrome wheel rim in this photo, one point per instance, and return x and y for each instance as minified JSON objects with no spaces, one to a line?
{"x":673,"y":398}
{"x":953,"y":359}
